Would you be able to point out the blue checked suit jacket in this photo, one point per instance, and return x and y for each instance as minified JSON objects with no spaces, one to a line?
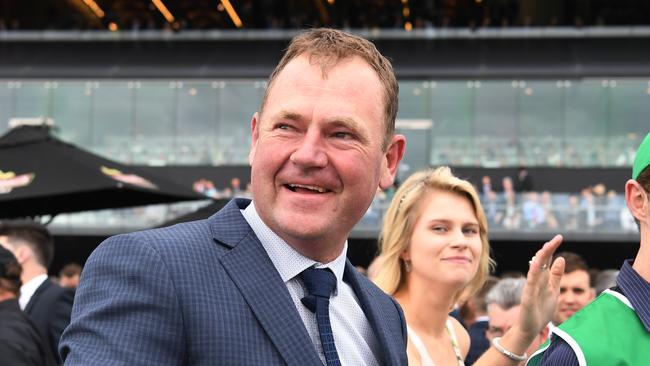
{"x":202,"y":293}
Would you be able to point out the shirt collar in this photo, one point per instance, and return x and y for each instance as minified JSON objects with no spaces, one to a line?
{"x":637,"y":290}
{"x":287,"y":261}
{"x":29,"y":288}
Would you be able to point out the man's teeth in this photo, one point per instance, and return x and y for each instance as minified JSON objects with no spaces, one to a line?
{"x":311,"y":188}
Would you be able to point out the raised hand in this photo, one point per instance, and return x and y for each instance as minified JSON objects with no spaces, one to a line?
{"x":539,"y":299}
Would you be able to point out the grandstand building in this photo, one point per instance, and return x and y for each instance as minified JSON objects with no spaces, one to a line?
{"x":562,"y":91}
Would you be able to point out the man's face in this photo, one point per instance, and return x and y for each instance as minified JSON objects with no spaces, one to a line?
{"x":575,"y":293}
{"x":69,"y":282}
{"x":317,"y":156}
{"x":501,"y":320}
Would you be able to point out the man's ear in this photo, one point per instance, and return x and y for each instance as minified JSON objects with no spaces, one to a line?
{"x":254,"y":136}
{"x":636,"y":199}
{"x":22,"y":253}
{"x":392,"y":158}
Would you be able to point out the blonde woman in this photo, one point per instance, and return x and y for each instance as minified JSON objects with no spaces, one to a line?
{"x":434,"y":247}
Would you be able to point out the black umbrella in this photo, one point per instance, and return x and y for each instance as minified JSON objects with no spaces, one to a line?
{"x":42,"y":175}
{"x":200,"y":214}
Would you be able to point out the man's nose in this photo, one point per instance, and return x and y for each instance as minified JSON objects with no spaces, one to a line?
{"x":310,"y":151}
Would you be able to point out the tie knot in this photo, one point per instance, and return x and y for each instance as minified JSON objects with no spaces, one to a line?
{"x":319,"y":282}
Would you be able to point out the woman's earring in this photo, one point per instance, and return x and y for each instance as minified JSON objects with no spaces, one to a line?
{"x":407,"y":265}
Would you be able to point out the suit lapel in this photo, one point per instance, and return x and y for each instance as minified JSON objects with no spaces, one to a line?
{"x":375,"y":315}
{"x":252,"y":271}
{"x":34,"y":299}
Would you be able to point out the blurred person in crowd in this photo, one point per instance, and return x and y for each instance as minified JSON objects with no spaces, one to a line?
{"x":550,"y":219}
{"x":572,"y":216}
{"x":69,"y":275}
{"x":504,"y":308}
{"x":524,"y":181}
{"x":599,"y":192}
{"x":575,"y":287}
{"x":588,"y":219}
{"x":612,"y":214}
{"x":21,"y":343}
{"x":46,"y":303}
{"x":511,"y":216}
{"x":205,"y":187}
{"x":235,"y":186}
{"x":435,"y":248}
{"x":533,"y":213}
{"x":493,"y":212}
{"x":605,"y":279}
{"x":266,"y":281}
{"x":615,"y":328}
{"x":486,"y":185}
{"x":477,"y":307}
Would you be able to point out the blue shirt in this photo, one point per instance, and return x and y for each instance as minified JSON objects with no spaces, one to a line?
{"x":630,"y":284}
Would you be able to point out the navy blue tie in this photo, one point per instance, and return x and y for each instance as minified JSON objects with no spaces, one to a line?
{"x":320,"y":283}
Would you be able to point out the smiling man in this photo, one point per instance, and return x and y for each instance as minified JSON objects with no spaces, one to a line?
{"x":575,"y":287}
{"x":266,"y":281}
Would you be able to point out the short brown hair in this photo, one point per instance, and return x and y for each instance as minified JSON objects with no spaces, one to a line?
{"x":32,"y":234}
{"x":329,"y":46}
{"x":573,"y":262}
{"x":70,"y":270}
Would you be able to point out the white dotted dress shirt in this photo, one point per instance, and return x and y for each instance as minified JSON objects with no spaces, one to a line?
{"x":355,"y":341}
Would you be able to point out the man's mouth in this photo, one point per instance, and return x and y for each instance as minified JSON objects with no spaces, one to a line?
{"x":303,"y":188}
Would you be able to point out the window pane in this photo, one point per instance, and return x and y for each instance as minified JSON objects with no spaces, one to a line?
{"x":197,"y":121}
{"x":71,"y":110}
{"x":155,"y":121}
{"x":452,"y":109}
{"x":113,"y":112}
{"x":238,"y":100}
{"x":496,"y":123}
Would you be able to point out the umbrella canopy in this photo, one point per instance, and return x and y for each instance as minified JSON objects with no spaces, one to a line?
{"x":42,"y":175}
{"x":200,"y":214}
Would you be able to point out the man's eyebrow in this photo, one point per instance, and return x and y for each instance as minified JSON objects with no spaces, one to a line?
{"x":352,"y":124}
{"x":285,"y":114}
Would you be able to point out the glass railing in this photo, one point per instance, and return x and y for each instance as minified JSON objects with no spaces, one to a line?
{"x":530,"y":215}
{"x":478,"y":123}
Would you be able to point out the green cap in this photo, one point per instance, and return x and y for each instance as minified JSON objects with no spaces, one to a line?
{"x":642,"y":159}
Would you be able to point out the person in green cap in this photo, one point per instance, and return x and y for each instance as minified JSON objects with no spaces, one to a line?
{"x":615,"y":328}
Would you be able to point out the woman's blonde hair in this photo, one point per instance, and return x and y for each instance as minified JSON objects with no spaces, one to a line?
{"x":403,"y":213}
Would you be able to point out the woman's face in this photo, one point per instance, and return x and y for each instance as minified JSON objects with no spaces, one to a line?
{"x":446,"y":243}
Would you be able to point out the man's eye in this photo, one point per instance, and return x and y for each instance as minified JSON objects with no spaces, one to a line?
{"x":284,"y":127}
{"x":342,"y":135}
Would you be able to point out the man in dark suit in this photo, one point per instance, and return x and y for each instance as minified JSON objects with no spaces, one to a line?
{"x":476,"y":307}
{"x":265,"y":282}
{"x":21,"y":344}
{"x":47,"y":304}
